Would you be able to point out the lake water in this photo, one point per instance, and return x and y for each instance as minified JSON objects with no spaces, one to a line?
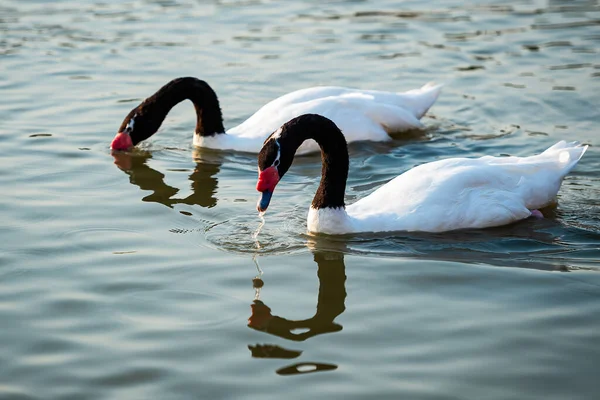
{"x":130,"y":277}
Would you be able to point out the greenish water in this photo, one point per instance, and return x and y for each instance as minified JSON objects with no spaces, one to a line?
{"x":130,"y":277}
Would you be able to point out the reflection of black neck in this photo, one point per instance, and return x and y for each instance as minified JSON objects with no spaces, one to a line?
{"x":330,"y":304}
{"x":332,"y":288}
{"x":204,"y":181}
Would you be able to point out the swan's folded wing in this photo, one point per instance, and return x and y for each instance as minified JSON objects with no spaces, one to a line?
{"x":442,"y":196}
{"x":355,"y":117}
{"x":360,"y":114}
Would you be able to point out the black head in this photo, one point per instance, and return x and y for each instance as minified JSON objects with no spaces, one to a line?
{"x":140,"y":125}
{"x":270,"y":171}
{"x":275,"y":158}
{"x":277,"y":153}
{"x":280,"y":147}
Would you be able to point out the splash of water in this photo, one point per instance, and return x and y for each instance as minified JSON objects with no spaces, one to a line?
{"x":261,"y":215}
{"x":257,"y":278}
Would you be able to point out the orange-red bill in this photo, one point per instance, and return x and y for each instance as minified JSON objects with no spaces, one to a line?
{"x":267,"y":180}
{"x":122,"y":141}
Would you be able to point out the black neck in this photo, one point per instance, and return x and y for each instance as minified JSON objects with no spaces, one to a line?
{"x":334,"y":156}
{"x":156,"y":107}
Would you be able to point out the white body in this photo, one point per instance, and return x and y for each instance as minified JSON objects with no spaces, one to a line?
{"x":360,"y":114}
{"x":456,"y":193}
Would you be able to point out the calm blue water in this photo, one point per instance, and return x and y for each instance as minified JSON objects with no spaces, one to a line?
{"x":130,"y":277}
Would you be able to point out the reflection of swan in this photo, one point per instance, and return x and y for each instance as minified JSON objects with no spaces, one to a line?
{"x":330,"y":304}
{"x":203,"y":178}
{"x":506,"y":246}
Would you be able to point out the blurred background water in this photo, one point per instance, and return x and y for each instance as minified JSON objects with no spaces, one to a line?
{"x":130,"y":277}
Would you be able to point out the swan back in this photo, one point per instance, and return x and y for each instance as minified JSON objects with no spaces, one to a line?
{"x":462,"y":193}
{"x":360,"y":114}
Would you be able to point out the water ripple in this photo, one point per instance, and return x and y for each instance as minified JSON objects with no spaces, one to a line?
{"x":121,"y":277}
{"x":167,"y":310}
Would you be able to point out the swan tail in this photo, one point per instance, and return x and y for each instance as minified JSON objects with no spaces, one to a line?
{"x":424,"y":98}
{"x":565,"y":154}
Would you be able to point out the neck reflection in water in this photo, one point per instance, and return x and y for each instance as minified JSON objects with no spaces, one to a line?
{"x":203,"y":178}
{"x":331,"y":272}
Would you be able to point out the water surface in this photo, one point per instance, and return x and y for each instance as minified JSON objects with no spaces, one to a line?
{"x":130,"y":276}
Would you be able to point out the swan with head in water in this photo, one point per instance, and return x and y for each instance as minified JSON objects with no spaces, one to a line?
{"x":362,"y":114}
{"x":444,"y":195}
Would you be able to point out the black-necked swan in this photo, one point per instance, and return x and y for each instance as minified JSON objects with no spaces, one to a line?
{"x":444,"y":195}
{"x":362,"y":114}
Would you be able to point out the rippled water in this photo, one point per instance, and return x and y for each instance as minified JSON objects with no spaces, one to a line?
{"x":131,"y":276}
